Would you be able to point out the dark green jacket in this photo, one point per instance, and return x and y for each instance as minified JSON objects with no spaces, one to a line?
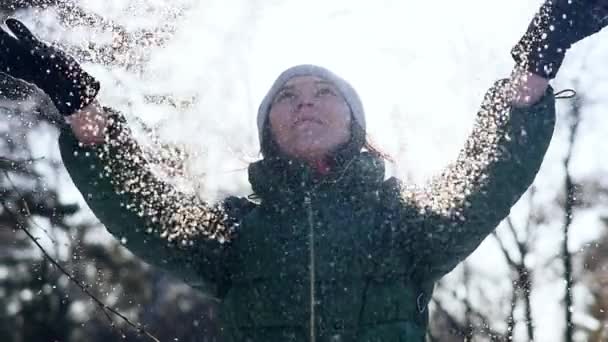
{"x":348,"y":256}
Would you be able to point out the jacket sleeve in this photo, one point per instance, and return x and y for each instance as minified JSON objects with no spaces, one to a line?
{"x":446,"y":221}
{"x":166,"y":228}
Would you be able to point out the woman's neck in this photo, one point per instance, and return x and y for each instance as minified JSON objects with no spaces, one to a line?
{"x":322,"y":166}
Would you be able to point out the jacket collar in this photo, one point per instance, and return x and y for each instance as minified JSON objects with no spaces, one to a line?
{"x":288,"y":179}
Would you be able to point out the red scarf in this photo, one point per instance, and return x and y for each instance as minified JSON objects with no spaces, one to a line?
{"x":322,"y":166}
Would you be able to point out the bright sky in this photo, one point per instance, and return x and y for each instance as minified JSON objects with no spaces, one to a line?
{"x":421,"y":68}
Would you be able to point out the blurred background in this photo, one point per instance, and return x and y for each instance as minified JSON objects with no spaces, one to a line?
{"x":189,"y":75}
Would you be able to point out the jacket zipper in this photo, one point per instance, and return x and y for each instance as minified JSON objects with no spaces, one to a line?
{"x":311,"y":264}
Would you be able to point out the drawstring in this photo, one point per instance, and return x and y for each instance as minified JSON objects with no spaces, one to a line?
{"x":420,"y":303}
{"x":253,"y":197}
{"x":570,"y":93}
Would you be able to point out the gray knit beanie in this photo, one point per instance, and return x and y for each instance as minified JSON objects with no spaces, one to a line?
{"x":347,"y":91}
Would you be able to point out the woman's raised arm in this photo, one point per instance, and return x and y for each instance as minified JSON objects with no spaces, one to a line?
{"x":177,"y":232}
{"x":173,"y":230}
{"x":445,"y":221}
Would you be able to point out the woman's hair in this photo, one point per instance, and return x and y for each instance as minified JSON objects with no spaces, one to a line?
{"x":377,"y":152}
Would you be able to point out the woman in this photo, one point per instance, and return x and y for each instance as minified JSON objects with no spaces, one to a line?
{"x":331,"y":251}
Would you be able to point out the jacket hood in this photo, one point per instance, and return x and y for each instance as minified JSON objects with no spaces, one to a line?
{"x":278,"y":179}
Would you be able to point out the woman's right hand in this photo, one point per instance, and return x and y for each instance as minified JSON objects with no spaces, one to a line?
{"x":24,"y":56}
{"x":89,"y":124}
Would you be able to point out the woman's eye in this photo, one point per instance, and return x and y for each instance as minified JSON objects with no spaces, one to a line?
{"x":325,"y":91}
{"x":286,"y":95}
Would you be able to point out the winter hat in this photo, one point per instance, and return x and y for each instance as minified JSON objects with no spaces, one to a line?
{"x":346,"y":90}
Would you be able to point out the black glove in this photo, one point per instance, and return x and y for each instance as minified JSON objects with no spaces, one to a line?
{"x":555,"y":28}
{"x":53,"y":71}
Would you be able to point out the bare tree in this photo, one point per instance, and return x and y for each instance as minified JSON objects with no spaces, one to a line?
{"x":522,"y":274}
{"x":595,"y":259}
{"x":570,"y":198}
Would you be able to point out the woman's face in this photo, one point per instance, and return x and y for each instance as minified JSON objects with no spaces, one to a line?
{"x":309,"y":118}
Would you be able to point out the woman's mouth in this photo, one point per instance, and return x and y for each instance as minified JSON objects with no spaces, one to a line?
{"x":307,"y":121}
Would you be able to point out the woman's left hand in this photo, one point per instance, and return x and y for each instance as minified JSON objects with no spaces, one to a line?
{"x":528,"y":88}
{"x":554,"y":29}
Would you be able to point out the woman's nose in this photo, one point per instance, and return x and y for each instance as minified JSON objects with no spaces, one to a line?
{"x":303,"y":104}
{"x":305,"y":101}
